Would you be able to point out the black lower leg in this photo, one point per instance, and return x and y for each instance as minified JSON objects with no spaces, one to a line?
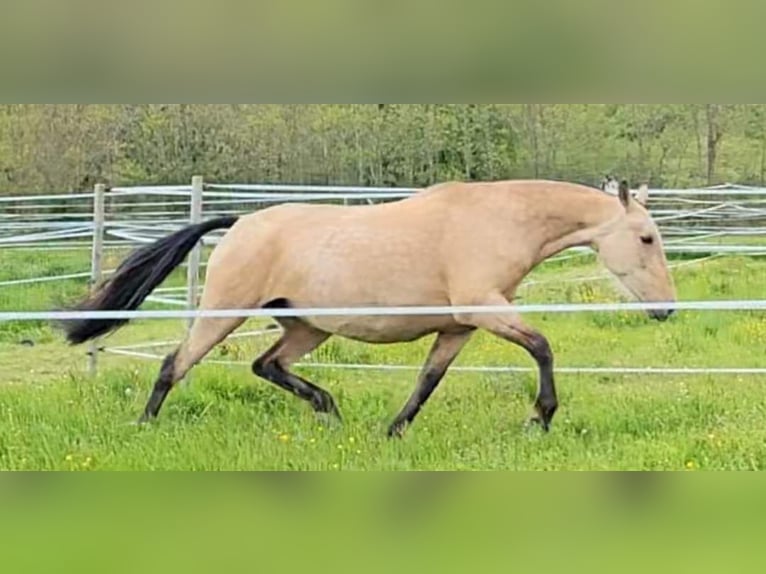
{"x":161,"y":389}
{"x":426,"y":387}
{"x":319,"y":399}
{"x":546,"y":402}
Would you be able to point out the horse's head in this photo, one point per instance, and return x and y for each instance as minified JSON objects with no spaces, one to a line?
{"x":630,"y":246}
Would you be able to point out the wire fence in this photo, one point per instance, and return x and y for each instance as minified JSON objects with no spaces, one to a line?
{"x":701,"y":224}
{"x":132,"y":214}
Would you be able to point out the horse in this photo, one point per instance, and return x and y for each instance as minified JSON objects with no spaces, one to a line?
{"x":450,"y":244}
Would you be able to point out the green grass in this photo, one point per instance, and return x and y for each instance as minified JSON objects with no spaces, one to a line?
{"x":52,"y":416}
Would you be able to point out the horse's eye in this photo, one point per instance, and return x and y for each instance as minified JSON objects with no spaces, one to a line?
{"x":647,"y":239}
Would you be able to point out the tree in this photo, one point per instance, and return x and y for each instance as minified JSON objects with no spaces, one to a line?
{"x":714,"y":135}
{"x":59,"y":147}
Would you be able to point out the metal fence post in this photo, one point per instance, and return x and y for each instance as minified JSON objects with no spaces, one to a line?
{"x":96,"y":264}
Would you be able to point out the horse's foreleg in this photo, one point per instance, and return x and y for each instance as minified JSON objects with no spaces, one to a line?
{"x":273,"y":366}
{"x":205,"y":334}
{"x":444,"y":350}
{"x":511,"y":328}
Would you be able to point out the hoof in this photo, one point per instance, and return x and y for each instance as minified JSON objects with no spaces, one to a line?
{"x":536,"y":421}
{"x":324,"y":406}
{"x":396,"y":431}
{"x":543,"y":413}
{"x":330,"y":420}
{"x":144,"y":420}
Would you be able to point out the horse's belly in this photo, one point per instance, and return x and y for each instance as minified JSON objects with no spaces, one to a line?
{"x":382,"y":329}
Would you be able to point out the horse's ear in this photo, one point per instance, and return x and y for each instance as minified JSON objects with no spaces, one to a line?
{"x":624,"y":193}
{"x":643,"y":195}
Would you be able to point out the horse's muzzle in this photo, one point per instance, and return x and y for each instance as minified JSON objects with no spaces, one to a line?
{"x":661,"y":314}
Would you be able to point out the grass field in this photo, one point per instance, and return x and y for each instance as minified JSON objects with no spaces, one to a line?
{"x":52,"y":416}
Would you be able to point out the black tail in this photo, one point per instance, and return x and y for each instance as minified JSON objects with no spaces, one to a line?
{"x":136,"y":278}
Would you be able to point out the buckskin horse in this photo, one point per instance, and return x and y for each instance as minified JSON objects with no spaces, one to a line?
{"x":452,"y":244}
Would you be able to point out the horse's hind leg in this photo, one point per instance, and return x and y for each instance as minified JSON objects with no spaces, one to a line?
{"x":297,"y":340}
{"x":205,"y":334}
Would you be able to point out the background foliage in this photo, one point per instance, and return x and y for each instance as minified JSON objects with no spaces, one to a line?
{"x":58,"y":147}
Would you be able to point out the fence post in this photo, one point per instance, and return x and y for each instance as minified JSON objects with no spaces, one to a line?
{"x":192,"y":276}
{"x":96,"y":264}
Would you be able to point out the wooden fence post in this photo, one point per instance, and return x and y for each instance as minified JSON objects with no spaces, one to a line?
{"x":96,"y":263}
{"x":192,"y":276}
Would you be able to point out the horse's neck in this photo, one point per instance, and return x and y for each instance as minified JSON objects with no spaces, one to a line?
{"x":575,"y":221}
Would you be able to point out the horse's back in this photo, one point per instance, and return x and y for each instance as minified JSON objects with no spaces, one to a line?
{"x":378,"y":250}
